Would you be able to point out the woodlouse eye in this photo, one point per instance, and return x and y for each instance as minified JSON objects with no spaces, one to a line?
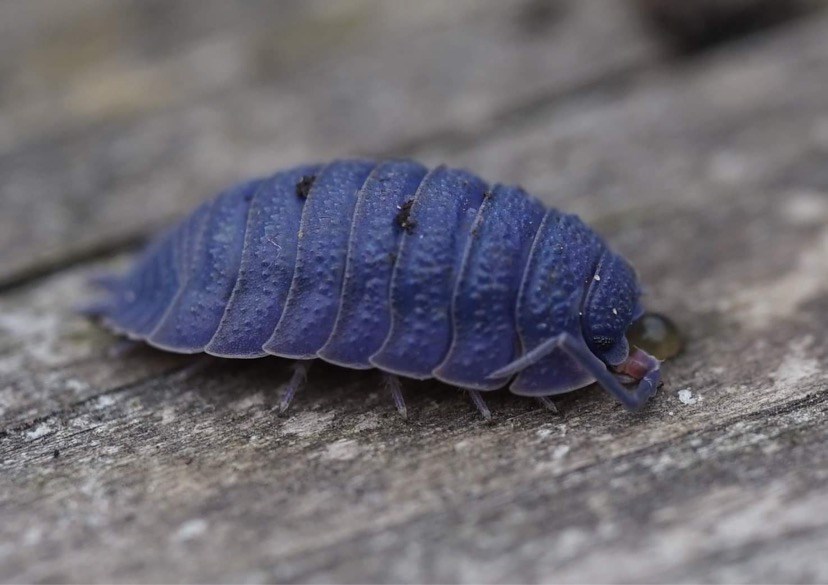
{"x":656,"y":335}
{"x":602,"y":342}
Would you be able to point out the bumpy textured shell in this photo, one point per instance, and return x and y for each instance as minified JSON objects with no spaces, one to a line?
{"x":421,"y":273}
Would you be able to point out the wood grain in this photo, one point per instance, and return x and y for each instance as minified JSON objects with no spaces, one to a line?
{"x":139,"y":466}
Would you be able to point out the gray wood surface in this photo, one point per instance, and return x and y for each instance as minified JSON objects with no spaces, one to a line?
{"x":710,"y":173}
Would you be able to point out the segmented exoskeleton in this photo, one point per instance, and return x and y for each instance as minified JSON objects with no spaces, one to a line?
{"x":420,"y":273}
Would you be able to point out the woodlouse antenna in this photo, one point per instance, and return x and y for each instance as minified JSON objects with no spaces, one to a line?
{"x":526,"y":360}
{"x":576,"y":348}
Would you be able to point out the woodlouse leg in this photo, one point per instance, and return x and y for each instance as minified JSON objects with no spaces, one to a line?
{"x":548,"y":404}
{"x":393,"y":385}
{"x":297,"y":381}
{"x":478,"y":401}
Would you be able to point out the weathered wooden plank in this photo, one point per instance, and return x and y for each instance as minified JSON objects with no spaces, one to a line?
{"x":117,"y":470}
{"x":724,"y":481}
{"x":106,"y":134}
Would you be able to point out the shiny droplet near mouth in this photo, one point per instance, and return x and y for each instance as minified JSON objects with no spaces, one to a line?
{"x":657,"y":335}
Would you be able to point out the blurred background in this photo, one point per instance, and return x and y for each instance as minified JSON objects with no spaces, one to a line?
{"x":693,"y":134}
{"x":116,"y":115}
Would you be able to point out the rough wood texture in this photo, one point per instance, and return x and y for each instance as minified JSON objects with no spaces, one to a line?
{"x":711,"y":174}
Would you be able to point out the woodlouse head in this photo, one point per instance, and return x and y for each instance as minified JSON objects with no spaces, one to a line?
{"x":618,"y":331}
{"x":610,"y":306}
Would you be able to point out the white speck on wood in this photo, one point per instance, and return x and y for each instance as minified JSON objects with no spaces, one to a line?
{"x":105,"y":401}
{"x":41,"y":430}
{"x":685,"y":396}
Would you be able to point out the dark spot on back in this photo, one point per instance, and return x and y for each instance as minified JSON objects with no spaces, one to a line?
{"x":404,"y":217}
{"x":392,"y":257}
{"x":303,"y":186}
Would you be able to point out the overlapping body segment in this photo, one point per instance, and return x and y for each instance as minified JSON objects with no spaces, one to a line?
{"x":437,"y":228}
{"x":148,"y":288}
{"x":194,"y":314}
{"x":483,"y":303}
{"x":313,"y":300}
{"x":364,"y":317}
{"x":266,"y":268}
{"x":386,"y":264}
{"x":564,"y":257}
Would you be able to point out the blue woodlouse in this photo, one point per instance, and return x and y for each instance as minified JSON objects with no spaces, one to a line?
{"x":420,"y":273}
